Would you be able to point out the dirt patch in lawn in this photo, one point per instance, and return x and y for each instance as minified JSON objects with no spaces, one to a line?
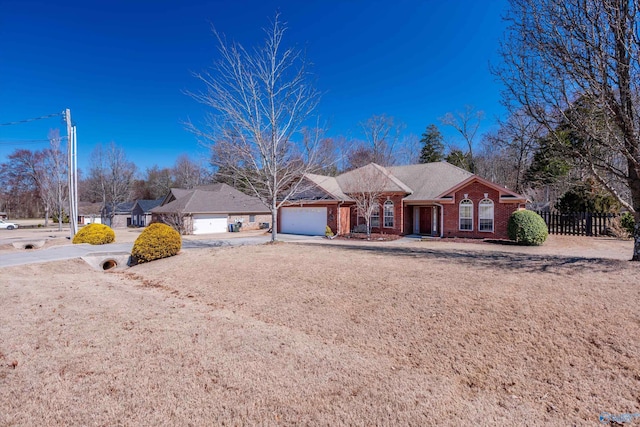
{"x":296,"y":334}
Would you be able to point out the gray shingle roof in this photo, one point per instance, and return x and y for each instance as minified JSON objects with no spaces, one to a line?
{"x":215,"y":198}
{"x":329,"y":184}
{"x":429,"y":180}
{"x":146,"y":205}
{"x":371,"y":174}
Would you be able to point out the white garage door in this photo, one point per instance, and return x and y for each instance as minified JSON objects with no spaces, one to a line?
{"x":309,"y":221}
{"x":209,"y":223}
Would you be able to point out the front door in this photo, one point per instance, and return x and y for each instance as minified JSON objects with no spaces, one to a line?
{"x":425,"y":220}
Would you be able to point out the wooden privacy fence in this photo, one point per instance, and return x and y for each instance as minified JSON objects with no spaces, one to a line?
{"x":578,"y":223}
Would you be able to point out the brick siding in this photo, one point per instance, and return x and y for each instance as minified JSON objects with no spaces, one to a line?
{"x":247,"y":224}
{"x":475,"y":192}
{"x":398,"y":215}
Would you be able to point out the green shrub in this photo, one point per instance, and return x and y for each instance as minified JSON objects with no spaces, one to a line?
{"x":155,"y":242}
{"x":627,"y":222}
{"x":527,"y":228}
{"x":328,"y":232}
{"x":95,"y":234}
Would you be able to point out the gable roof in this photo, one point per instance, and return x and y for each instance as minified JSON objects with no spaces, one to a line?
{"x":88,"y":209}
{"x":426,"y":182}
{"x":430,"y":180}
{"x":328,"y":184}
{"x":146,"y":205}
{"x":353,"y":181}
{"x":505,"y":193}
{"x":123,"y":208}
{"x":214,"y":198}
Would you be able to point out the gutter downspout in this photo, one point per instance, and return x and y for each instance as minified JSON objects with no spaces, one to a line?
{"x":441,"y":219}
{"x":339,"y":222}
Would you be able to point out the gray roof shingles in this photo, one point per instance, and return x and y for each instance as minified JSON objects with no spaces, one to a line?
{"x":215,"y":198}
{"x":429,"y":180}
{"x":419,"y":182}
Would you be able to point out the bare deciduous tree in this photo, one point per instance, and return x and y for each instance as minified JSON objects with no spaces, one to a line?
{"x":409,"y":151}
{"x":260,"y":100}
{"x":189,"y":174}
{"x":466,"y":123}
{"x":111,"y":177}
{"x":574,"y":65}
{"x":382,"y":134}
{"x":53,"y":178}
{"x":180,"y":222}
{"x":510,"y":149}
{"x":366,"y":186}
{"x":21,"y":177}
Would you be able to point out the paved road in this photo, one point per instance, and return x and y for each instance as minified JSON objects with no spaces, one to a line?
{"x":57,"y":253}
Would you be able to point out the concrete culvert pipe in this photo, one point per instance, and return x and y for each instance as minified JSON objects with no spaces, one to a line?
{"x":28,"y":246}
{"x":109,"y":264}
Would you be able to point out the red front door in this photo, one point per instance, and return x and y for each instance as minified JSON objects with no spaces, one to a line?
{"x":425,"y":220}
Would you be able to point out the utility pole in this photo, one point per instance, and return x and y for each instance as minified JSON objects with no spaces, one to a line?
{"x":72,"y":166}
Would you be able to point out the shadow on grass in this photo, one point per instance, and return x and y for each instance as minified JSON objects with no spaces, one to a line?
{"x":485,"y":259}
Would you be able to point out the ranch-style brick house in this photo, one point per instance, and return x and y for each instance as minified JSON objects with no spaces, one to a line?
{"x":433,"y":199}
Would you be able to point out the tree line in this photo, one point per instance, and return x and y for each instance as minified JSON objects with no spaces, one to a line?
{"x":35,"y":181}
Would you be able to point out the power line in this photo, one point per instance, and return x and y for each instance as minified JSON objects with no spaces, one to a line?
{"x":26,"y":141}
{"x":48,"y":116}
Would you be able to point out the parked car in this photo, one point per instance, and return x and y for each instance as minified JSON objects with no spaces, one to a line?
{"x":7,"y":225}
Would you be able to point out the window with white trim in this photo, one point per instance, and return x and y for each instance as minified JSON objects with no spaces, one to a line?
{"x":485,"y":215}
{"x":466,"y":215}
{"x":375,"y":217}
{"x":388,"y":214}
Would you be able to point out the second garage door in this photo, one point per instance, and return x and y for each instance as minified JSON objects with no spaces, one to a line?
{"x":308,"y":221}
{"x":209,"y":223}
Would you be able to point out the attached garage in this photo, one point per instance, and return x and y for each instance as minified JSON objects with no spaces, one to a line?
{"x":311,"y":221}
{"x":209,"y":223}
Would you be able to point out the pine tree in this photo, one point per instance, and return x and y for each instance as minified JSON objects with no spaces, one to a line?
{"x":433,"y":148}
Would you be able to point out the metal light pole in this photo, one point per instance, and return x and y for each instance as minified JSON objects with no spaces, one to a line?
{"x":72,"y":167}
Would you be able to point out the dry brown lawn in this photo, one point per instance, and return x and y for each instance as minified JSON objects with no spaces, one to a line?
{"x":294,"y":334}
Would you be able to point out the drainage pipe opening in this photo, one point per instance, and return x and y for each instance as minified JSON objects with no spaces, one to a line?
{"x":28,"y":246}
{"x":109,"y":264}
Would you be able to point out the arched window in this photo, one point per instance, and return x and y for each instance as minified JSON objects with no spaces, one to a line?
{"x":485,"y":215}
{"x":388,"y":214}
{"x":375,"y":216}
{"x":466,"y":215}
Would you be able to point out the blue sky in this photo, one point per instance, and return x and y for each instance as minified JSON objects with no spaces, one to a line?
{"x":122,"y":66}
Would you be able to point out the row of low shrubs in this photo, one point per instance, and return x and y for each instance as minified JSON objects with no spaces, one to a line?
{"x":155,"y":242}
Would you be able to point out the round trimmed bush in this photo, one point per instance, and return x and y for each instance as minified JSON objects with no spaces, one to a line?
{"x":155,"y":242}
{"x":527,"y":228}
{"x":95,"y":234}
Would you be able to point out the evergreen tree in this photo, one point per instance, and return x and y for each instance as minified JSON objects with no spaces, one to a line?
{"x":460,"y":159}
{"x":433,"y":148}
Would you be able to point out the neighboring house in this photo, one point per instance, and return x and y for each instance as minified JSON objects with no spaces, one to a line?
{"x":89,"y":213}
{"x":211,"y":209}
{"x":434,"y":199}
{"x":141,"y":212}
{"x":121,"y":216}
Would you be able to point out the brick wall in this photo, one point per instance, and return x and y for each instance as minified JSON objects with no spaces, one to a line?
{"x":247,"y":224}
{"x":398,"y":216}
{"x":345,"y":220}
{"x":475,"y":192}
